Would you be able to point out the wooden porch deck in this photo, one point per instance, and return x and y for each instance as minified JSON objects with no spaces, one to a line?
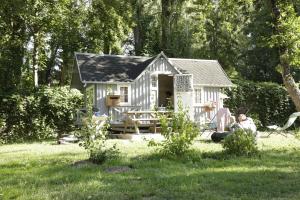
{"x":139,"y":121}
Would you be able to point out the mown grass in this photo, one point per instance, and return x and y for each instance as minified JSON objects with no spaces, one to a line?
{"x":46,"y":171}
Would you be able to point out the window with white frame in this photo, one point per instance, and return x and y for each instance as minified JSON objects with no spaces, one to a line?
{"x":198,"y":97}
{"x":154,"y":81}
{"x":124,"y":91}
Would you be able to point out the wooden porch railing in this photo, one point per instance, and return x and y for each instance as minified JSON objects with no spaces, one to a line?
{"x":117,"y":113}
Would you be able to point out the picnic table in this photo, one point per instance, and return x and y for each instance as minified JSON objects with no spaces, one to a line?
{"x":137,"y":117}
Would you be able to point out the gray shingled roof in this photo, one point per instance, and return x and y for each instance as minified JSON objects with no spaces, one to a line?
{"x":205,"y":72}
{"x":106,"y":68}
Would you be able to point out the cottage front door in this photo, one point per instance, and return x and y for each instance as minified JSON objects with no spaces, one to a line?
{"x":184,"y":93}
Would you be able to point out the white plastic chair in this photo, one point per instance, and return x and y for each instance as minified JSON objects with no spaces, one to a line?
{"x":290,"y":122}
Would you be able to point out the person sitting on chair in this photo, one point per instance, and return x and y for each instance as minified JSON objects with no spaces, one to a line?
{"x":243,"y":123}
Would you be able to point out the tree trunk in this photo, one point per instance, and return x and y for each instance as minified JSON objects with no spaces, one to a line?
{"x":165,"y":24}
{"x":288,"y":80}
{"x":106,"y":48}
{"x":138,"y":29}
{"x":50,"y":66}
{"x":35,"y":60}
{"x":137,"y":40}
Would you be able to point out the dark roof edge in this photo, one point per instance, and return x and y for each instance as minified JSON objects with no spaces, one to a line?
{"x":109,"y":55}
{"x":158,"y":55}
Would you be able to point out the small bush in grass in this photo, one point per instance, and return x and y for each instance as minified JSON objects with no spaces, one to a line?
{"x":240,"y":143}
{"x":179,"y":132}
{"x":93,"y":135}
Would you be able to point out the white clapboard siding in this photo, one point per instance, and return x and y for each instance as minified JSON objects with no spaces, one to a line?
{"x":140,"y":91}
{"x":141,"y":88}
{"x":209,"y":94}
{"x":101,"y":92}
{"x":141,"y":94}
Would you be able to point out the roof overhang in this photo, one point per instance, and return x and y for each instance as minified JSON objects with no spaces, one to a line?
{"x":211,"y":85}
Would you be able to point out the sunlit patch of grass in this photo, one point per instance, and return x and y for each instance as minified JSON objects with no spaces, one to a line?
{"x":47,"y":171}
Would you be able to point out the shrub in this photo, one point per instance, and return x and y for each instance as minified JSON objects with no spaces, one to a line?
{"x":58,"y":106}
{"x":240,"y":143}
{"x":179,"y":132}
{"x":22,"y":119}
{"x":93,"y":135}
{"x":27,"y":116}
{"x":268,"y":103}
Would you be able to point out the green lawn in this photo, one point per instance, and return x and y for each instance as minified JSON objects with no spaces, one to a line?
{"x":46,"y":171}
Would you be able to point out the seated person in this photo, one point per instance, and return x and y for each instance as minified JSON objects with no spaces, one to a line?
{"x":243,"y":123}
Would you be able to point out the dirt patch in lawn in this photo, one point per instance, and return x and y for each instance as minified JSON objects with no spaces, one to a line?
{"x":82,"y":163}
{"x":118,"y":169}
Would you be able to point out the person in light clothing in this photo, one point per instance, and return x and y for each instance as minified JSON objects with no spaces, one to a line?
{"x":245,"y":122}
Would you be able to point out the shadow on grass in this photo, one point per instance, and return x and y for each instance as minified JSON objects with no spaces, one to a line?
{"x":273,"y":175}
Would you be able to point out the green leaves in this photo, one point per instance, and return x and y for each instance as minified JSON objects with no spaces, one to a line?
{"x":93,"y":135}
{"x":240,"y":143}
{"x":287,"y":34}
{"x":41,"y":115}
{"x":268,"y":103}
{"x":179,"y":133}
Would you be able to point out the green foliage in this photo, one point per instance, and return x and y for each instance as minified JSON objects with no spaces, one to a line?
{"x":58,"y":106}
{"x":179,"y":133}
{"x":268,"y":103}
{"x":287,"y":34}
{"x":260,"y":60}
{"x":22,"y":119}
{"x":38,"y":116}
{"x":93,"y":135}
{"x":240,"y":143}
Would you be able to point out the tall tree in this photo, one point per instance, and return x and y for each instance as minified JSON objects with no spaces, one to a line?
{"x":218,"y":30}
{"x":39,"y":15}
{"x":12,"y":39}
{"x":171,"y":10}
{"x":146,"y":26}
{"x":260,"y":60}
{"x":110,"y":22}
{"x":286,"y":38}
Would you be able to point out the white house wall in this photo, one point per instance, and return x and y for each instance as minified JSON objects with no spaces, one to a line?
{"x":141,"y":88}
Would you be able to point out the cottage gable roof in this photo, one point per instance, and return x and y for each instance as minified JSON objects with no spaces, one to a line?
{"x":109,"y":68}
{"x":205,"y":72}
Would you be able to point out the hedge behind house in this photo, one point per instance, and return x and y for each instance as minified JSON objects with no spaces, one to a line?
{"x":268,"y":103}
{"x":43,"y":114}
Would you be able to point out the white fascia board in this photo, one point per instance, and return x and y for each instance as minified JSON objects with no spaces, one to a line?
{"x":166,"y":58}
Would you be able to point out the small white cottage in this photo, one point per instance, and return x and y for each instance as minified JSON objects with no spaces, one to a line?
{"x":117,"y":84}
